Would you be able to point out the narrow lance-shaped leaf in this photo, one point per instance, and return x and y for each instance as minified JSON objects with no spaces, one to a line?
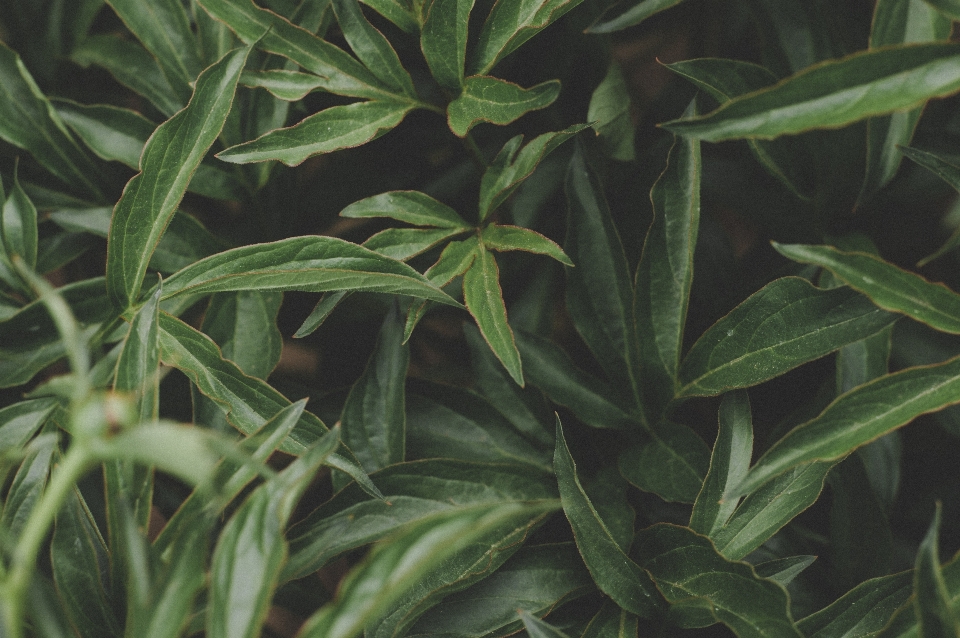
{"x":786,"y":323}
{"x":443,"y":39}
{"x":834,"y":93}
{"x":397,"y":12}
{"x":489,"y":99}
{"x":858,"y":417}
{"x":27,"y":486}
{"x":537,"y":628}
{"x":406,"y":243}
{"x":328,"y":302}
{"x":933,"y":603}
{"x":945,"y":167}
{"x":138,"y":366}
{"x":863,"y":611}
{"x":887,"y":286}
{"x":373,"y":49}
{"x":671,"y":463}
{"x":613,"y":571}
{"x":412,"y":207}
{"x":171,"y":156}
{"x":18,"y":225}
{"x":484,"y":300}
{"x":665,"y":274}
{"x":332,"y":129}
{"x":290,"y":86}
{"x":609,"y":112}
{"x":616,"y":18}
{"x":505,"y":238}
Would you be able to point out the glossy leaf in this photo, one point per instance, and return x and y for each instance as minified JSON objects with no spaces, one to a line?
{"x":372,"y":48}
{"x":308,"y":263}
{"x":933,"y":602}
{"x":616,"y":19}
{"x":613,"y":571}
{"x":784,"y":324}
{"x":672,"y":464}
{"x":169,"y":159}
{"x":609,"y":112}
{"x":286,"y":85}
{"x":509,"y":25}
{"x":686,"y":565}
{"x":397,"y":12}
{"x":18,"y":225}
{"x":504,"y":238}
{"x":138,"y":366}
{"x":862,"y":611}
{"x":833,"y":93}
{"x":335,"y":128}
{"x":412,"y":207}
{"x":600,"y":295}
{"x":729,"y":463}
{"x":443,"y":39}
{"x":484,"y":300}
{"x":665,"y":274}
{"x":252,"y":547}
{"x":510,"y":168}
{"x":406,"y":243}
{"x":29,"y":121}
{"x":413,"y":491}
{"x":489,"y":99}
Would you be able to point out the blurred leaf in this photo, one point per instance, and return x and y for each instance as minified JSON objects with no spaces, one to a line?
{"x":863,"y":611}
{"x":372,"y":48}
{"x":484,"y":300}
{"x":600,"y":295}
{"x":510,"y":168}
{"x":412,"y":207}
{"x":729,"y":463}
{"x":505,"y":238}
{"x":786,"y":323}
{"x":537,"y":628}
{"x":45,"y":610}
{"x":685,"y":565}
{"x":335,"y":128}
{"x":834,"y":93}
{"x":151,"y":198}
{"x":185,"y":451}
{"x":665,"y":273}
{"x":29,"y":121}
{"x":612,"y":622}
{"x":489,"y":99}
{"x":949,"y":8}
{"x":443,"y":40}
{"x":536,"y":579}
{"x":932,"y":601}
{"x":672,"y":464}
{"x":394,"y":566}
{"x":413,"y":491}
{"x":509,"y":25}
{"x":617,"y":18}
{"x":609,"y":114}
{"x":56,"y":251}
{"x":613,"y":571}
{"x":20,"y":421}
{"x":251,"y":550}
{"x":18,"y":225}
{"x":27,"y":486}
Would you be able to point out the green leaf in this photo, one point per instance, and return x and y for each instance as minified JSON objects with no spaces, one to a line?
{"x":672,"y":464}
{"x":536,"y":579}
{"x":949,"y":8}
{"x":537,"y":628}
{"x":484,"y":300}
{"x":185,"y":451}
{"x":29,"y":121}
{"x":452,"y":422}
{"x":131,"y":65}
{"x":729,"y":463}
{"x":863,"y":611}
{"x":412,"y":491}
{"x":406,"y":243}
{"x":397,"y":12}
{"x":932,"y":601}
{"x":443,"y":39}
{"x":290,"y":86}
{"x":612,"y":622}
{"x":786,"y":323}
{"x":164,"y":29}
{"x":374,"y":418}
{"x":946,"y":168}
{"x":505,"y":238}
{"x":169,"y":159}
{"x":332,"y":129}
{"x":615,"y":19}
{"x":600,"y":295}
{"x":342,"y":73}
{"x":328,"y":301}
{"x":665,"y":273}
{"x":18,"y":225}
{"x":457,"y":257}
{"x":887,"y":286}
{"x":252,"y":548}
{"x":372,"y":48}
{"x":412,"y":207}
{"x":510,"y":168}
{"x":784,"y":570}
{"x":27,"y":487}
{"x":509,"y":25}
{"x":834,"y":93}
{"x":592,"y":400}
{"x":609,"y":112}
{"x":308,"y":263}
{"x":685,"y":565}
{"x":396,"y":565}
{"x":138,"y":368}
{"x":613,"y":571}
{"x":769,"y":508}
{"x":489,"y":99}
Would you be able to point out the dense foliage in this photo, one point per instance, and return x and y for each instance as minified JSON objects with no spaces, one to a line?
{"x":469,"y":318}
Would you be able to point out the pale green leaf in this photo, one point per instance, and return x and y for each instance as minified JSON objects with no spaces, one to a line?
{"x":484,"y":300}
{"x":18,"y":225}
{"x":283,"y":84}
{"x":406,"y":243}
{"x":443,"y":39}
{"x":489,"y":99}
{"x":505,"y":238}
{"x":372,"y":48}
{"x":412,"y":207}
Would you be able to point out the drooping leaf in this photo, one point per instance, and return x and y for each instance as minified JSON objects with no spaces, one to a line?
{"x":373,"y":49}
{"x":933,"y":602}
{"x":784,"y":324}
{"x":335,"y":128}
{"x":412,"y":207}
{"x":613,"y":571}
{"x":616,"y":18}
{"x":671,"y":464}
{"x":887,"y":286}
{"x":609,"y":113}
{"x":833,"y":93}
{"x":328,"y":302}
{"x":484,"y":300}
{"x":504,"y":238}
{"x":686,"y":565}
{"x":443,"y":39}
{"x":171,"y":156}
{"x":308,"y":263}
{"x":18,"y":225}
{"x":489,"y":99}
